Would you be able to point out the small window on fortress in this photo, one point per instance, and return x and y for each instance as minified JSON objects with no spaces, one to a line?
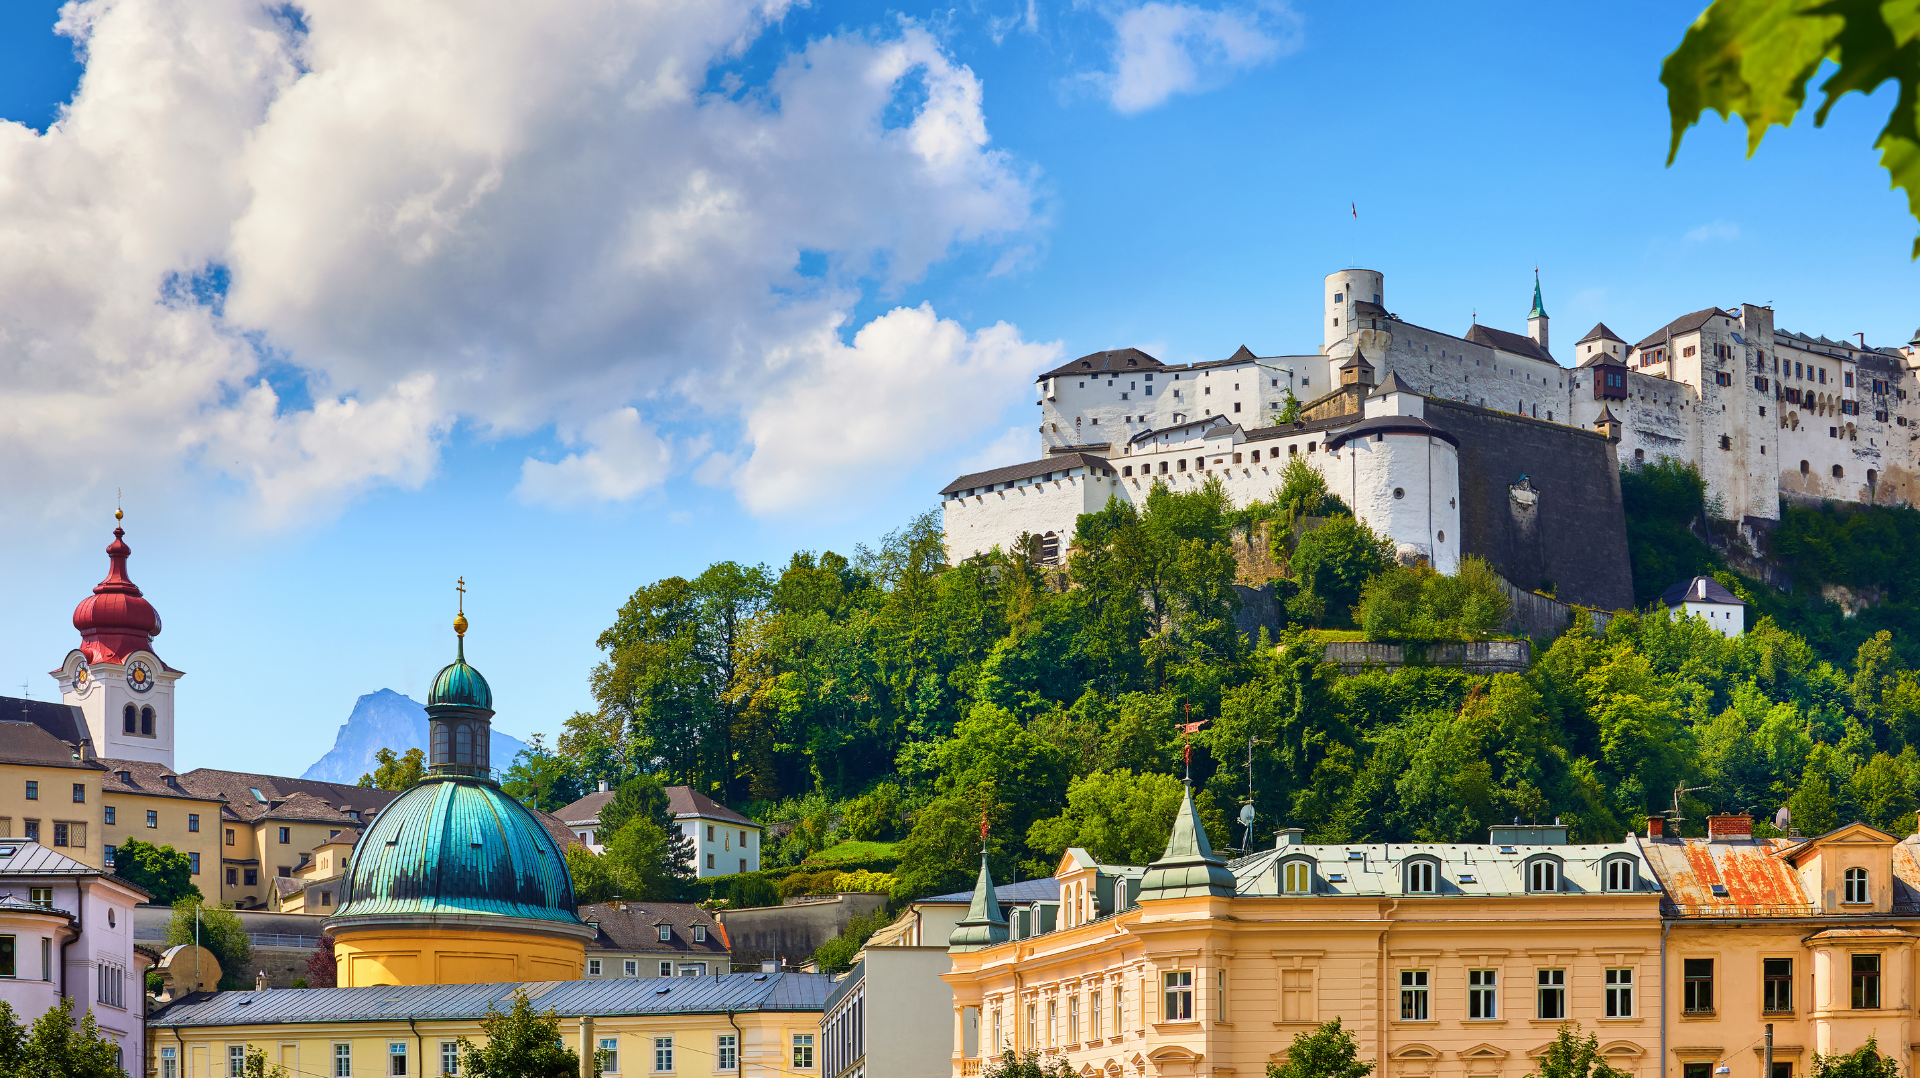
{"x":1163,"y":467}
{"x":1803,"y":467}
{"x":1336,"y":297}
{"x":1183,"y":464}
{"x":1256,"y":456}
{"x":1726,"y":442}
{"x":1126,"y":470}
{"x":1293,"y":450}
{"x":1311,"y":446}
{"x":1839,"y":472}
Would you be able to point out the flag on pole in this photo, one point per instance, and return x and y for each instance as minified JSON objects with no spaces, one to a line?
{"x":1356,"y":210}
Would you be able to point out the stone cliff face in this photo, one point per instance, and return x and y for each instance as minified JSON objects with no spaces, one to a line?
{"x":388,"y":720}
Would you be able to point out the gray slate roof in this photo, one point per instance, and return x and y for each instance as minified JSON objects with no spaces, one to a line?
{"x":685,"y":802}
{"x":634,"y":928}
{"x":1013,"y":473}
{"x":1518,"y":343}
{"x":1466,"y":871}
{"x":1600,"y":332}
{"x":1689,"y":591}
{"x":587,"y":809}
{"x":1115,"y":360}
{"x":63,"y":721}
{"x":572,"y":999}
{"x":1046,"y":889}
{"x":29,"y":743}
{"x":1686,"y":323}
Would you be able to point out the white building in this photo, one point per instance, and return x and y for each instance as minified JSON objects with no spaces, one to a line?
{"x":724,"y":842}
{"x":67,"y":930}
{"x":1703,"y":597}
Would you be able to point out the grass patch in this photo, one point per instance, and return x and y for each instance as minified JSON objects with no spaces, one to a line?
{"x":851,"y":850}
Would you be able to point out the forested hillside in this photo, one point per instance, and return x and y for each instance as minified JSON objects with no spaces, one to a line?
{"x":886,"y":698}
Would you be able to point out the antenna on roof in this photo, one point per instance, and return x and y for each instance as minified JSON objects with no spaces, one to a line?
{"x":1674,"y":813}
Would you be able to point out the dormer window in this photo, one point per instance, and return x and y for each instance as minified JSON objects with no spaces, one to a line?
{"x":1543,"y":875}
{"x":1618,"y":874}
{"x":1856,"y":887}
{"x":1296,"y":877}
{"x":1422,"y":877}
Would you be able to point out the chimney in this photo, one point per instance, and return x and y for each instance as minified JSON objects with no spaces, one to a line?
{"x":1291,"y":836}
{"x":770,"y":965}
{"x":260,"y":981}
{"x":603,"y":785}
{"x":1654,"y":826}
{"x":1729,"y":826}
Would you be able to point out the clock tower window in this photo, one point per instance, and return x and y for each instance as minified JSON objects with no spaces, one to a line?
{"x":127,"y":719}
{"x":146,"y":721}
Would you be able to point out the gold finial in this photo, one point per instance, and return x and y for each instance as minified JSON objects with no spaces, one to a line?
{"x":460,"y":619}
{"x":117,"y":514}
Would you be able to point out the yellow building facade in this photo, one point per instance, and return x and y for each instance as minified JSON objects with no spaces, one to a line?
{"x":1444,"y":960}
{"x":711,"y":1027}
{"x":146,"y":802}
{"x":48,"y":794}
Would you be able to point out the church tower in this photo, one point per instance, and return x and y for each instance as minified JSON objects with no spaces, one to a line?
{"x":456,"y":882}
{"x":114,"y":676}
{"x":1537,"y":318}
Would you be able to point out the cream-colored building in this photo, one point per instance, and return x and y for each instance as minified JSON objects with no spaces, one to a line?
{"x":146,"y":802}
{"x":708,"y":1027}
{"x":49,"y":793}
{"x":1441,"y":959}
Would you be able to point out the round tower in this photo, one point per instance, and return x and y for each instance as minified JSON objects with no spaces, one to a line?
{"x":1401,"y":475}
{"x":1343,"y":289}
{"x":456,"y":882}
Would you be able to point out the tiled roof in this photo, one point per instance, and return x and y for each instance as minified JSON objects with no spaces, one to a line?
{"x":1186,"y":429}
{"x":1701,"y":589}
{"x":238,"y":787}
{"x":686,"y":801}
{"x":1518,"y":343}
{"x":587,"y":809}
{"x":1117,"y":360}
{"x":1012,"y":473}
{"x":1600,"y":332}
{"x":1361,"y":306}
{"x":556,"y":827}
{"x":1686,"y":323}
{"x":27,"y":743}
{"x":634,"y":928}
{"x":145,"y":778}
{"x":804,"y":992}
{"x":63,"y":721}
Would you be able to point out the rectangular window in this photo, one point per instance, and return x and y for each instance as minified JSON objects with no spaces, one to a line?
{"x":1413,"y":995}
{"x":397,"y":1059}
{"x":663,"y":1054}
{"x":449,"y":1057}
{"x":169,"y":1063}
{"x":607,"y":1056}
{"x":193,"y":862}
{"x":111,"y":989}
{"x":286,"y":835}
{"x":229,"y":836}
{"x":33,"y":790}
{"x":233,"y":877}
{"x":46,"y":957}
{"x":7,"y":964}
{"x":1179,"y":993}
{"x":699,"y":933}
{"x":803,"y":1049}
{"x":726,"y":1053}
{"x":1073,"y":1019}
{"x":1033,"y":1025}
{"x":1093,"y":1015}
{"x":1856,"y":887}
{"x":1551,"y":988}
{"x":1483,"y":993}
{"x":1696,"y":1070}
{"x":343,"y":1061}
{"x":59,"y":833}
{"x":193,"y":821}
{"x":1866,"y":981}
{"x":252,"y":876}
{"x":593,"y":967}
{"x":107,"y":814}
{"x":666,"y":933}
{"x":1776,"y":985}
{"x":666,"y":969}
{"x":1697,"y":997}
{"x":1620,"y":993}
{"x":79,"y":793}
{"x":236,"y":1061}
{"x":40,"y":896}
{"x":1053,"y":1023}
{"x":153,"y":818}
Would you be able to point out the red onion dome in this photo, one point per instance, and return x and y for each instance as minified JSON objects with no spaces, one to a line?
{"x":115,"y":621}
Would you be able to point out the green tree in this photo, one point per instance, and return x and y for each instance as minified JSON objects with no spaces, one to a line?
{"x":1863,"y":1062}
{"x":256,"y":1065}
{"x":594,"y":877}
{"x":1010,"y":1065}
{"x":396,"y":772}
{"x":1119,"y":817}
{"x":1812,"y":805}
{"x":56,"y":1046}
{"x":220,"y":931}
{"x":542,"y":778}
{"x":644,"y":861}
{"x":162,"y":871}
{"x":837,"y":953}
{"x":751,"y":892}
{"x":1327,"y":1052}
{"x":1570,"y":1056}
{"x":1753,"y":59}
{"x":520,"y":1043}
{"x":875,"y":815}
{"x":1332,"y":563}
{"x":662,"y":854}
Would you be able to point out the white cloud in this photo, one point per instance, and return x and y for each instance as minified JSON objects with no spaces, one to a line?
{"x":625,"y":458}
{"x":1714,"y":230}
{"x":908,"y":371}
{"x":1161,"y":49}
{"x":291,"y":253}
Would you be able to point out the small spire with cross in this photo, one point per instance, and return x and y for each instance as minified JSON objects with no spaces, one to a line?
{"x":460,"y":619}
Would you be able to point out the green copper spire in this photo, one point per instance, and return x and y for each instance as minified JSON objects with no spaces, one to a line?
{"x":1189,"y":868}
{"x":1539,"y":308}
{"x":983,"y":925}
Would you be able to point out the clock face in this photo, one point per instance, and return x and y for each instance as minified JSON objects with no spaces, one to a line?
{"x":139,"y":676}
{"x":82,"y":677}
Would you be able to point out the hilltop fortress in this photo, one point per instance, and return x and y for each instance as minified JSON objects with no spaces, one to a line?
{"x":1482,"y":444}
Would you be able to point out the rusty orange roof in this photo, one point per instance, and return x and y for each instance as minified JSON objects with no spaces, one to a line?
{"x":1736,"y":878}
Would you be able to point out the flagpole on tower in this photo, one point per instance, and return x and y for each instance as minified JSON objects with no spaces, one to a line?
{"x":1355,"y":207}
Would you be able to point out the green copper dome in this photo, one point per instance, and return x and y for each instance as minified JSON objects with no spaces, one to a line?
{"x":461,"y":684}
{"x":456,"y":845}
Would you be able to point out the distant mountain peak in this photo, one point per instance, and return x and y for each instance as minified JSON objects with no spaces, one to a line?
{"x":385,"y":719}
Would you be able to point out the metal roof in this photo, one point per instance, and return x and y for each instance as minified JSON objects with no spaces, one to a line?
{"x":1466,"y":871}
{"x":572,"y":999}
{"x":1045,"y":889}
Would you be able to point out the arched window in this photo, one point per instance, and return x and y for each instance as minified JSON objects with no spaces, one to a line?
{"x":1619,"y":874}
{"x":1543,"y":875}
{"x":1803,"y":468}
{"x":440,"y":743}
{"x":1839,"y":472}
{"x":146,"y":721}
{"x":1297,"y":877}
{"x":1422,"y":877}
{"x":1857,"y":887}
{"x":128,"y":721}
{"x":462,"y":744}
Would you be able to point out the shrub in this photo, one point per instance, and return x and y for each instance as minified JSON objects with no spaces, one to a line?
{"x":868,"y":882}
{"x":751,"y":892}
{"x":875,"y":817}
{"x":1417,"y":603}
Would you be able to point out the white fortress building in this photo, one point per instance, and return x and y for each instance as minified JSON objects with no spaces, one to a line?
{"x":1762,"y":413}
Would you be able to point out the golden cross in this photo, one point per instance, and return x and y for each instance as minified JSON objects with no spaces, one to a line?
{"x":461,"y":587}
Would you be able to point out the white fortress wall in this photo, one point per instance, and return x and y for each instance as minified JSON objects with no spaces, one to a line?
{"x":1094,"y":406}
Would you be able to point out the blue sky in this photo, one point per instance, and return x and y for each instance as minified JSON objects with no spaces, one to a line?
{"x":1185,"y":197}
